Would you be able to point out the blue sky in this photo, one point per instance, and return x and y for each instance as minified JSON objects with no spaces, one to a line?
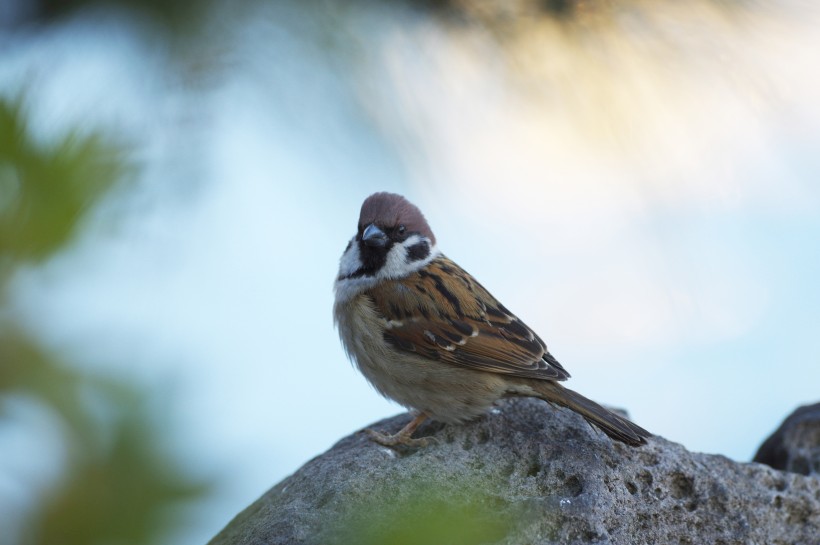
{"x":659,"y":231}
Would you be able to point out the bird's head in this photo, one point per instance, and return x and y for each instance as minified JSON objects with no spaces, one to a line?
{"x":392,"y":240}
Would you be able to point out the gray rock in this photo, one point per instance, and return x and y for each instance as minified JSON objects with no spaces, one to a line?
{"x":528,"y":473}
{"x":795,"y":446}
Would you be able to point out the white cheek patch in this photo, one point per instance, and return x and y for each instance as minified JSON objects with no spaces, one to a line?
{"x":351,"y":260}
{"x":397,"y":265}
{"x":346,"y":288}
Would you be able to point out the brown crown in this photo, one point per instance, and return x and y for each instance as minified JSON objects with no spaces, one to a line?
{"x":388,"y":210}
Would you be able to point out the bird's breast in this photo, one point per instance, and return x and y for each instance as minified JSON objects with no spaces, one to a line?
{"x":361,"y":328}
{"x":445,"y":392}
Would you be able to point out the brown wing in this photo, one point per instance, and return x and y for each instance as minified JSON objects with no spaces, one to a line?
{"x":442,"y":313}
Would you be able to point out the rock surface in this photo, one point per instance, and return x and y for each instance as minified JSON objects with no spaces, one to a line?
{"x":528,"y":473}
{"x":795,"y":446}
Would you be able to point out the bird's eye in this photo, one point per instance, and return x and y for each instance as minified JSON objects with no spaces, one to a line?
{"x":401,"y":229}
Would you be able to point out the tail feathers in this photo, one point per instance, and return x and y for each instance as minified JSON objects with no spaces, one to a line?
{"x":616,"y":427}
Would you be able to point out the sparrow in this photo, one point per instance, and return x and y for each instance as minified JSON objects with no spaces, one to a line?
{"x":427,"y":335}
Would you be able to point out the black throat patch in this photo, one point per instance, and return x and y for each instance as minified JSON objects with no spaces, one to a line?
{"x":372,"y":259}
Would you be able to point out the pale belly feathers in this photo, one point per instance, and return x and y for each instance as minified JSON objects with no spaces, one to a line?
{"x":445,"y":392}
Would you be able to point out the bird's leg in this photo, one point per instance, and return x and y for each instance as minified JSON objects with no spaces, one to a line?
{"x":402,"y":437}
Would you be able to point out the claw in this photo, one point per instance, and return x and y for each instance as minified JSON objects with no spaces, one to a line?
{"x":404,"y":436}
{"x":397,"y":439}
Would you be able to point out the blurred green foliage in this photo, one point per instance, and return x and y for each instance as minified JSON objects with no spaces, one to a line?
{"x":428,"y":514}
{"x":45,"y":191}
{"x":119,"y":482}
{"x":174,"y":14}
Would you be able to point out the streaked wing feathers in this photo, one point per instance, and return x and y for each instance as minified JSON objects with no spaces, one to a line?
{"x":442,"y":313}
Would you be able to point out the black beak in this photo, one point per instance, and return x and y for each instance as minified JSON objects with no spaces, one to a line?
{"x":373,"y":236}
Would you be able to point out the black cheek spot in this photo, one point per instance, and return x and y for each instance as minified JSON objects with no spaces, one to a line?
{"x":418,"y":251}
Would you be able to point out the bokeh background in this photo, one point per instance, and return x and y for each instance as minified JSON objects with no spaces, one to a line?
{"x":638,"y":180}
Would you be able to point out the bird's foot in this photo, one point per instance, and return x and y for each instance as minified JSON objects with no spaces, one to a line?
{"x":403,"y":438}
{"x":397,"y":439}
